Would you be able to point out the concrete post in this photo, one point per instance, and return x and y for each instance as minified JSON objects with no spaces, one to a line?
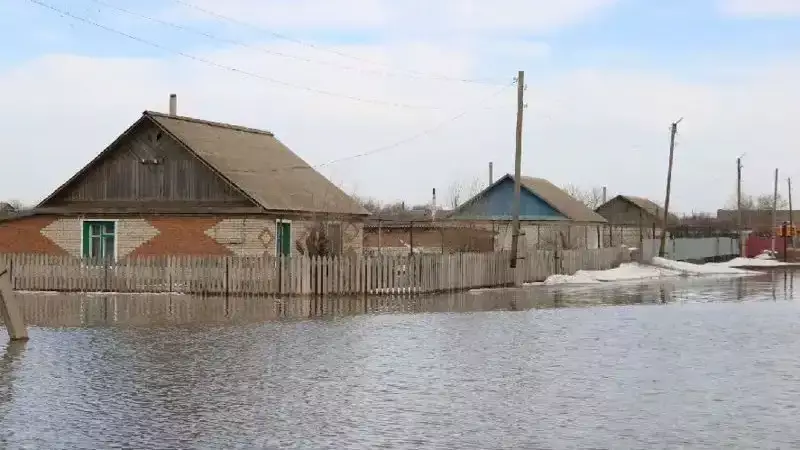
{"x":10,"y":309}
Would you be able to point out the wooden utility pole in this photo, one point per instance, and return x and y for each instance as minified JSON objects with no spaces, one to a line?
{"x":791,"y":219}
{"x":517,"y":169}
{"x":739,"y":223}
{"x":775,"y":212}
{"x":672,"y":132}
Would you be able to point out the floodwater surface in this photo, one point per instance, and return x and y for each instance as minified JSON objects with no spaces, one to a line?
{"x":692,"y":363}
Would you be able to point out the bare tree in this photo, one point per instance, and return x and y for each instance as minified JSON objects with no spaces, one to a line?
{"x":370,"y":204}
{"x":461,"y":191}
{"x":765,"y":202}
{"x":592,"y":198}
{"x":759,"y":202}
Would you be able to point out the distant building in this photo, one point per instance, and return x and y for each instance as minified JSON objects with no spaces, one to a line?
{"x":549,"y":217}
{"x":756,"y":220}
{"x":632,"y":219}
{"x":7,"y":208}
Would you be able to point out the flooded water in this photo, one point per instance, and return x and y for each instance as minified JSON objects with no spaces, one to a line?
{"x":698,"y":364}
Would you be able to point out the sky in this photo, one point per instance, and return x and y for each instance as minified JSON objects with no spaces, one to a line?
{"x":392,"y":99}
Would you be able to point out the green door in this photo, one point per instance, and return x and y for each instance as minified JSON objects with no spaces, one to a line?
{"x":284,"y":239}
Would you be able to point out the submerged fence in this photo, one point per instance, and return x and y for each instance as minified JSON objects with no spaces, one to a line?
{"x":300,"y":275}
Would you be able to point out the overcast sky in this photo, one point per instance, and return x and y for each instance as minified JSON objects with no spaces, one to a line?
{"x":336,"y":78}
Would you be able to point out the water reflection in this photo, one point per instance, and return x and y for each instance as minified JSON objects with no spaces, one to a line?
{"x":693,"y":363}
{"x":79,"y":310}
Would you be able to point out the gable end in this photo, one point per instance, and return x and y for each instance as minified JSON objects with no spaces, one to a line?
{"x":146,"y":165}
{"x":496,"y":203}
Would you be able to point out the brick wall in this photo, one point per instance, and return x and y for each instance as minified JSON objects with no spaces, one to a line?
{"x":242,"y":236}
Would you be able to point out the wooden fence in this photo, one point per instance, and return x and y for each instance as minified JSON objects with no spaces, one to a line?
{"x":299,"y":275}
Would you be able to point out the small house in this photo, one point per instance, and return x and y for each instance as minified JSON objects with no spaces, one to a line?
{"x":632,"y":219}
{"x":174,"y":185}
{"x":549,"y":217}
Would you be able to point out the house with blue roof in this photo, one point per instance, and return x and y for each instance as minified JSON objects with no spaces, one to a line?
{"x":549,"y":217}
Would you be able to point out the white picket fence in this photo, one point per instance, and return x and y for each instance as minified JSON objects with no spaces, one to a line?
{"x":299,"y":275}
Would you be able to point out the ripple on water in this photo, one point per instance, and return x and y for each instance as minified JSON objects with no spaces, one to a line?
{"x":715,"y":367}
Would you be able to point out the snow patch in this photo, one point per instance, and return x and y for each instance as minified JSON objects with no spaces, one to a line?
{"x":625,"y":272}
{"x":686,"y":268}
{"x":753,"y":262}
{"x":660,"y":268}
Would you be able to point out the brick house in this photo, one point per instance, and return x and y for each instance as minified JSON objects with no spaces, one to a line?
{"x":549,"y":217}
{"x":172,"y":185}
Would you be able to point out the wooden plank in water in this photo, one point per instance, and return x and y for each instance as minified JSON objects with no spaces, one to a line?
{"x":10,"y":308}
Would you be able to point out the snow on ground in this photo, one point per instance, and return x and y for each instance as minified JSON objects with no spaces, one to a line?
{"x":660,"y":268}
{"x":753,"y":262}
{"x":687,"y":268}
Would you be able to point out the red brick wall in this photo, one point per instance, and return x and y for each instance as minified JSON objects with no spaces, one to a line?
{"x":182,"y":236}
{"x":24,"y":236}
{"x":176,"y":236}
{"x":158,"y":235}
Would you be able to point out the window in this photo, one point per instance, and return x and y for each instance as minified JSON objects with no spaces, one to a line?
{"x":99,"y":239}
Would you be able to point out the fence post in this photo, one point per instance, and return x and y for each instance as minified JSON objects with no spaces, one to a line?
{"x":227,"y":276}
{"x":105,"y":274}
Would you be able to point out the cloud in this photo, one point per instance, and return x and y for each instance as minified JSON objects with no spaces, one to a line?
{"x":584,"y":126}
{"x":760,"y":8}
{"x":587,"y":127}
{"x":409,"y":17}
{"x":288,"y":14}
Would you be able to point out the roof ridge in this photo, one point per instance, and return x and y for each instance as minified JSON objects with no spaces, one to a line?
{"x":229,"y":126}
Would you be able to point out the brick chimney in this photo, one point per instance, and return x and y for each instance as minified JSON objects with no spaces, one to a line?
{"x":173,"y":105}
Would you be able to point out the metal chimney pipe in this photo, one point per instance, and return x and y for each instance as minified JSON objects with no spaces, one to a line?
{"x":433,"y":206}
{"x":604,"y":194}
{"x":173,"y":105}
{"x":491,"y":176}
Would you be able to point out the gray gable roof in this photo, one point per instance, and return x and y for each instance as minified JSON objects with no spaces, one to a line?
{"x":562,"y":202}
{"x":256,"y":163}
{"x":647,"y":205}
{"x":260,"y":165}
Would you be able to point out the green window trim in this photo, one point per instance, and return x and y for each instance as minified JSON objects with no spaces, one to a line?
{"x":283,"y":238}
{"x":99,"y":239}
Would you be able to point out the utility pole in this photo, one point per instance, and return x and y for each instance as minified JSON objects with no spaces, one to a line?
{"x":517,"y":169}
{"x":791,"y":221}
{"x":672,"y":132}
{"x":739,"y":223}
{"x":775,"y":212}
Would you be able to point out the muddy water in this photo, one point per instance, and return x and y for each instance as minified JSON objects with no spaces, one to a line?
{"x":686,"y":364}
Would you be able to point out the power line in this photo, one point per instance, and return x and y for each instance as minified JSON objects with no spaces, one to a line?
{"x":285,"y":37}
{"x":226,"y":67}
{"x":406,"y":140}
{"x":176,"y":26}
